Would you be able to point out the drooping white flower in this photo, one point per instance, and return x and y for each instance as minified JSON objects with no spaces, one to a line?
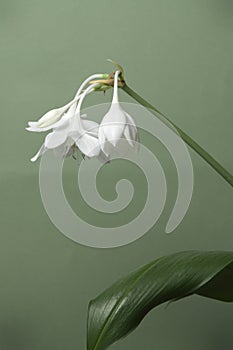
{"x":116,"y":124}
{"x":72,"y":132}
{"x":59,"y":139}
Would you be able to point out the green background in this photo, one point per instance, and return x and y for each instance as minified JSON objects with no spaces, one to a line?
{"x":176,"y":53}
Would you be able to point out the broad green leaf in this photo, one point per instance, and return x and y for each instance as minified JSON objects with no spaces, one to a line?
{"x":120,"y":309}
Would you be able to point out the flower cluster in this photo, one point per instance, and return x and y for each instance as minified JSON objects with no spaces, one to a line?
{"x":72,"y":131}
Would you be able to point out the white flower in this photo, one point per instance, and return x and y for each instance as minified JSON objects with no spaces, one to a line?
{"x":116,"y":124}
{"x":72,"y":132}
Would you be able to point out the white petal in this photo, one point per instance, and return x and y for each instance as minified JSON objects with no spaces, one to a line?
{"x":128,"y":135}
{"x":106,"y":147}
{"x":71,"y":111}
{"x":62,"y":123}
{"x":33,"y":126}
{"x":50,"y":117}
{"x":88,"y":145}
{"x":102,"y":140}
{"x":34,"y":129}
{"x":66,"y":120}
{"x":90,"y":126}
{"x":32,"y":123}
{"x":54,"y":115}
{"x":130,"y":131}
{"x":113,"y":123}
{"x":64,"y":150}
{"x":132,"y":125}
{"x":41,"y":151}
{"x":55,"y":139}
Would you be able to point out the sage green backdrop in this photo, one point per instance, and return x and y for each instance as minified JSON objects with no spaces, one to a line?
{"x":177,"y":54}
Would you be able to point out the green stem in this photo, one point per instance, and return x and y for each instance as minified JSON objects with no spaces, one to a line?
{"x":205,"y":155}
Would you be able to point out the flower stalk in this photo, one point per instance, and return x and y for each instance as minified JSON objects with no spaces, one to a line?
{"x":193,"y":144}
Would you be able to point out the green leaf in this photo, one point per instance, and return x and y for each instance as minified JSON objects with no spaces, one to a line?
{"x":120,"y":309}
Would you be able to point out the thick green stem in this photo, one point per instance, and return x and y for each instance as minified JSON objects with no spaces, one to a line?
{"x":205,"y":155}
